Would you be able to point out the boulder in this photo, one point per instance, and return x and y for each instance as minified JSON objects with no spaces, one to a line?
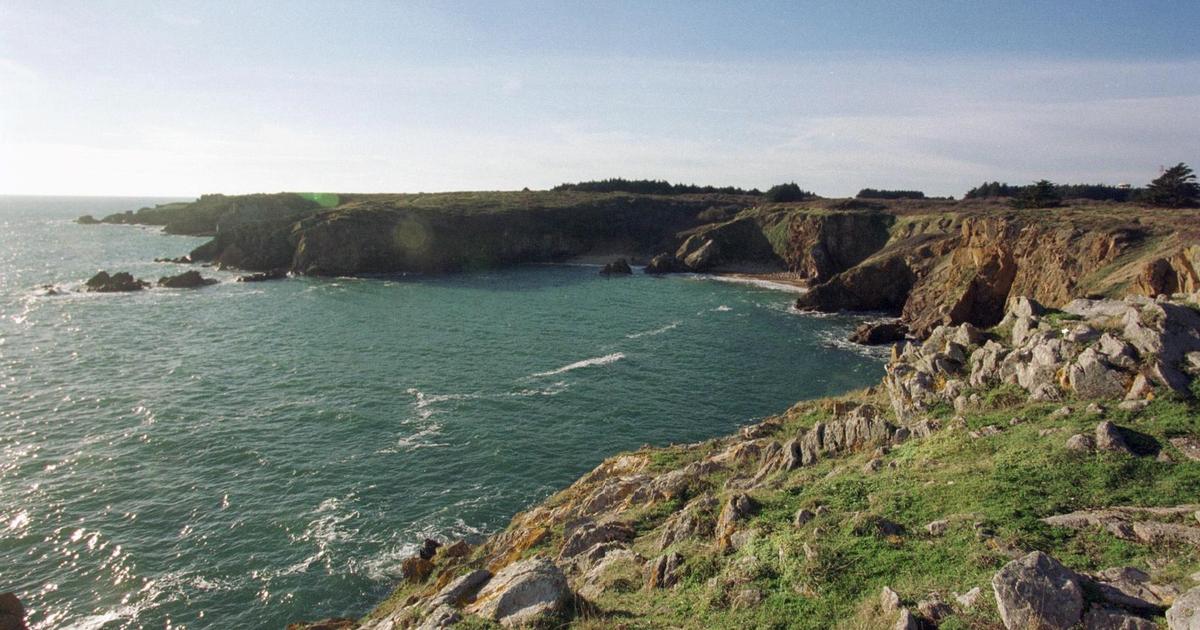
{"x":665,"y":571}
{"x":618,"y":267}
{"x":1106,"y":618}
{"x":118,"y":282}
{"x":967,"y":600}
{"x":906,"y":621}
{"x":1109,"y":438}
{"x":416,"y":569}
{"x":1091,"y":377}
{"x":1035,"y":591}
{"x":588,"y":533}
{"x":12,"y":612}
{"x":1081,"y":443}
{"x":889,"y":600}
{"x":1184,"y":614}
{"x":429,"y":548}
{"x":274,"y":274}
{"x":662,"y":263}
{"x":186,"y":280}
{"x":523,"y":593}
{"x":878,"y":333}
{"x":1131,"y":588}
{"x":934,"y":609}
{"x":738,"y":508}
{"x":937,"y":528}
{"x":461,"y":590}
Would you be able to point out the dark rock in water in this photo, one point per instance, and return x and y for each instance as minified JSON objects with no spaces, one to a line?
{"x":50,"y":289}
{"x":117,"y":282}
{"x":333,"y":623}
{"x":186,"y":280}
{"x":12,"y":613}
{"x":87,"y":219}
{"x":274,"y":274}
{"x":663,"y":263}
{"x":618,"y":267}
{"x":878,"y":333}
{"x":181,"y":260}
{"x":429,"y":548}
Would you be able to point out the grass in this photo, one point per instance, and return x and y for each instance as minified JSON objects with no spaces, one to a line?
{"x":1003,"y":483}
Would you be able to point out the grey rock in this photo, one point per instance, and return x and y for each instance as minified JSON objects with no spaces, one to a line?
{"x":889,"y":600}
{"x":1090,"y":377}
{"x":1106,"y":618}
{"x":1109,"y":438}
{"x":523,"y":593}
{"x":1035,"y":591}
{"x":967,"y":600}
{"x":1081,"y":443}
{"x":441,"y":617}
{"x":906,"y":621}
{"x":665,"y":571}
{"x":1184,"y":614}
{"x":937,"y":528}
{"x":588,"y":533}
{"x":461,"y":590}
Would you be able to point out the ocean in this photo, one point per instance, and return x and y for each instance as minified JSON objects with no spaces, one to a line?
{"x":249,"y":454}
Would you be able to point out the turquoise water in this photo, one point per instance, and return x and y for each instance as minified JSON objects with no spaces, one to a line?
{"x":245,"y":455}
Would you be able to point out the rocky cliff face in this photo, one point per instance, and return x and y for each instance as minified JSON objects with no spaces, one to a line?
{"x":966,"y":268}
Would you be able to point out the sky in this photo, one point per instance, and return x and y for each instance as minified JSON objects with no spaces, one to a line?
{"x":184,"y":98}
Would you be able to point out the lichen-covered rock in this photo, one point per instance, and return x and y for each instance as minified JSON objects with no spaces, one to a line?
{"x":1184,"y":614}
{"x":461,"y":590}
{"x":523,"y":593}
{"x":1091,"y":377}
{"x":738,"y":508}
{"x":1107,"y":618}
{"x":588,"y":533}
{"x":1035,"y":591}
{"x":694,"y":520}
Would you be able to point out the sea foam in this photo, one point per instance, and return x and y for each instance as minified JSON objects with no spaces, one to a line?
{"x":604,"y":360}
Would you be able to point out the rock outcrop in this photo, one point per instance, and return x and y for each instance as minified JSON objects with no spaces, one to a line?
{"x":523,"y":593}
{"x":1037,"y":592}
{"x":186,"y":280}
{"x":618,"y":267}
{"x":119,"y":282}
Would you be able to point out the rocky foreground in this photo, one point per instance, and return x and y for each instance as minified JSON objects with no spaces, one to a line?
{"x":1043,"y":473}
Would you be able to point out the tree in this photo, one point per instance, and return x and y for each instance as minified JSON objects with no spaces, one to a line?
{"x":1175,"y":188}
{"x":1040,"y":195}
{"x":788,"y":192}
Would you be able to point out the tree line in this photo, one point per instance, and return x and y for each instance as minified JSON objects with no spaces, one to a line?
{"x":1176,"y":187}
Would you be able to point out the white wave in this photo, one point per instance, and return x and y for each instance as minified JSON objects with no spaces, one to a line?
{"x":723,"y":309}
{"x":604,"y":360}
{"x":756,"y":282}
{"x":656,"y":331}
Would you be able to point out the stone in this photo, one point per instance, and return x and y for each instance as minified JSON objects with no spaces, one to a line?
{"x":1188,"y":446}
{"x":586,"y":534}
{"x":429,"y":548}
{"x":119,"y":282}
{"x":1022,"y":306}
{"x":618,"y":267}
{"x":1094,"y":409}
{"x":878,"y":333}
{"x":457,"y":549}
{"x":1106,"y":618}
{"x":1140,"y":389}
{"x":12,"y":612}
{"x":1109,"y":438}
{"x":523,"y":593}
{"x":1082,"y":333}
{"x":1061,"y":412}
{"x":662,"y":263}
{"x":967,"y":335}
{"x":693,"y":520}
{"x":1090,"y":377}
{"x":665,"y":571}
{"x":1035,"y":591}
{"x":938,"y":527}
{"x":186,"y":280}
{"x":441,"y":617}
{"x":889,"y":600}
{"x":1133,"y":405}
{"x":738,"y":508}
{"x":803,"y":516}
{"x":607,"y":574}
{"x":872,"y":465}
{"x":416,"y":569}
{"x":1131,"y":588}
{"x":1184,"y":614}
{"x":968,"y":599}
{"x":906,"y":621}
{"x":274,"y":274}
{"x":462,"y":589}
{"x":934,"y":609}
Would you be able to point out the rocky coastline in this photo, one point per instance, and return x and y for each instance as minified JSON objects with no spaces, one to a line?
{"x":1030,"y":459}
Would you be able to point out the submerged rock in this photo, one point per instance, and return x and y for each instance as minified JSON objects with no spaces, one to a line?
{"x":274,"y":274}
{"x":118,"y":282}
{"x":12,"y":612}
{"x":186,"y":280}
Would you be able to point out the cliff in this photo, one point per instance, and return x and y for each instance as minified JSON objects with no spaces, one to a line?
{"x":1040,"y":474}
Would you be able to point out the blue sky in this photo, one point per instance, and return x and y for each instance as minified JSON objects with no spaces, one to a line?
{"x":192,"y":97}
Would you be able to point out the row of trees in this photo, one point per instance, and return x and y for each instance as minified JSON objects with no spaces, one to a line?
{"x":1175,"y":188}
